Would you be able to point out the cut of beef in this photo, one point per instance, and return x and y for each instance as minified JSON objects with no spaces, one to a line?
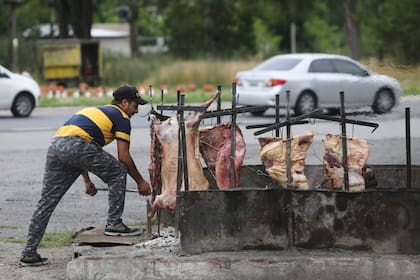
{"x":357,"y":155}
{"x":215,"y":145}
{"x":273,"y":156}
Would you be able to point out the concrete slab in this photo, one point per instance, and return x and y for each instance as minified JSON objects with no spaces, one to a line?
{"x":167,"y":263}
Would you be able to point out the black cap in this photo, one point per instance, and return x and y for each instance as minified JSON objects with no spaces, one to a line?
{"x":128,"y":92}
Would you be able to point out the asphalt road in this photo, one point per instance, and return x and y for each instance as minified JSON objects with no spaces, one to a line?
{"x":23,"y":145}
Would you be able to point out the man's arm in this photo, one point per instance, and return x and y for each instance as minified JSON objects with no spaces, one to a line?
{"x":90,"y":187}
{"x":125,"y":157}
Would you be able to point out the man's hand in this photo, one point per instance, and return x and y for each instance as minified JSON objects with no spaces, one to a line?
{"x":91,"y":189}
{"x":144,"y":188}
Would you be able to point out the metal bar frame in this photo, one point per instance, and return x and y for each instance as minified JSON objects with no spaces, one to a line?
{"x":233,"y":139}
{"x":344,"y":142}
{"x":288,"y":141}
{"x":219,"y":103}
{"x":408,"y":146}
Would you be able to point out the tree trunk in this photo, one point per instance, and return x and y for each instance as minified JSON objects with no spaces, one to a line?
{"x":352,"y":29}
{"x":62,"y":18}
{"x":77,"y":13}
{"x":132,"y":21}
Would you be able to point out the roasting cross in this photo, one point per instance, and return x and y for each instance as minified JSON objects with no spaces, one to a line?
{"x":316,"y":114}
{"x":233,"y":111}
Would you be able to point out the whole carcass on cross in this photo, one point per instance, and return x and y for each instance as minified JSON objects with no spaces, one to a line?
{"x":273,"y":156}
{"x":357,"y":155}
{"x":215,"y":148}
{"x":167,"y":135}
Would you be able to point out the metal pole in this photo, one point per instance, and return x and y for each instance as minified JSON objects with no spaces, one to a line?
{"x":148,"y":206}
{"x":219,"y":104}
{"x":184,"y":145}
{"x":292,"y":37}
{"x":408,"y":145}
{"x":233,"y":138}
{"x":179,"y":169}
{"x":344,"y":142}
{"x":161,"y":100}
{"x":159,"y":212}
{"x":277,"y":114}
{"x":288,"y":141}
{"x":15,"y":42}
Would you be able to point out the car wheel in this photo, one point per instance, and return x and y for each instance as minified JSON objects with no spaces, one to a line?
{"x":306,"y":103}
{"x":23,"y":105}
{"x":384,"y":101}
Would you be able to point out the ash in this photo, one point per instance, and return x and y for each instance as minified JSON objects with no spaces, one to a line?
{"x":166,"y":240}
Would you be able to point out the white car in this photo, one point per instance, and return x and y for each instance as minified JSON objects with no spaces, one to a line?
{"x":18,"y":93}
{"x":315,"y":81}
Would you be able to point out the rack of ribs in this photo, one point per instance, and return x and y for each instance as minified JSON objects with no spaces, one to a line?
{"x":273,"y":156}
{"x":357,"y":155}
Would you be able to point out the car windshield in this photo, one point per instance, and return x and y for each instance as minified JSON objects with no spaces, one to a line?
{"x":279,"y":64}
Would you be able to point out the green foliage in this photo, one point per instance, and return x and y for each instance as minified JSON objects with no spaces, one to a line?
{"x":119,"y":70}
{"x":324,"y":36}
{"x":232,"y":29}
{"x":395,"y":26}
{"x":266,"y":42}
{"x":204,"y":29}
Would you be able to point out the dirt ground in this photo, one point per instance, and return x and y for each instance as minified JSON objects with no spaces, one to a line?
{"x":58,"y":259}
{"x":19,"y":195}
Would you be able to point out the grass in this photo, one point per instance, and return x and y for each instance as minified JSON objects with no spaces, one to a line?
{"x":51,"y":239}
{"x":73,"y":101}
{"x":408,"y":76}
{"x":58,"y":239}
{"x":142,"y":223}
{"x":8,"y":227}
{"x":196,"y":96}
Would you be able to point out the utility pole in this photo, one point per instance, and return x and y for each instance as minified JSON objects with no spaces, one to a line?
{"x":293,"y":37}
{"x":15,"y":42}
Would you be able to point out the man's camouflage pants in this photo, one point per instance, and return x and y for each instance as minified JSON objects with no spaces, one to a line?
{"x":67,"y":157}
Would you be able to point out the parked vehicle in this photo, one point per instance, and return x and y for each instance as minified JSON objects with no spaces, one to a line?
{"x":18,"y":93}
{"x":315,"y":81}
{"x":71,"y":61}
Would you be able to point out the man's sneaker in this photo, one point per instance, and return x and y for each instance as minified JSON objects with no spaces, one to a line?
{"x":33,"y":259}
{"x":121,"y":230}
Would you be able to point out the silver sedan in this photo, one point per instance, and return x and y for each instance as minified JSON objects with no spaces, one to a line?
{"x":315,"y":81}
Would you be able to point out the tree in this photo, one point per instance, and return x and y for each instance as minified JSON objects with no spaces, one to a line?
{"x":78,"y":14}
{"x":323,"y":31}
{"x":352,"y":28}
{"x":132,"y":21}
{"x":395,"y":25}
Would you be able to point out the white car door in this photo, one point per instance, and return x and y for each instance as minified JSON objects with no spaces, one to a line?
{"x":358,"y":89}
{"x":325,"y":82}
{"x":6,"y":86}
